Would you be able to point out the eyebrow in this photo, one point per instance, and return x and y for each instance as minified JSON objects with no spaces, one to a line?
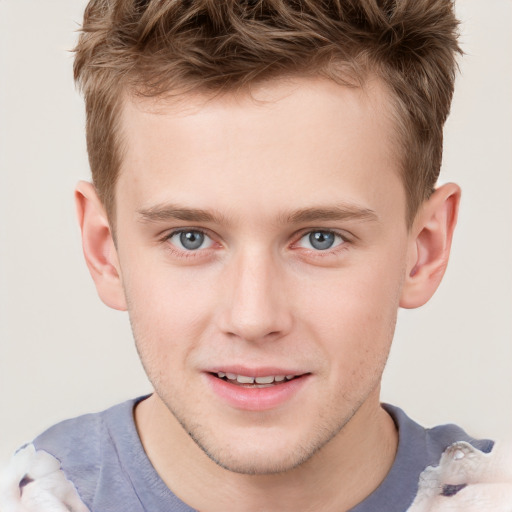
{"x":341,"y":212}
{"x":168,"y":212}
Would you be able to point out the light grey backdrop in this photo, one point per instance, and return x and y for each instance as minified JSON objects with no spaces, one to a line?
{"x":62,"y":352}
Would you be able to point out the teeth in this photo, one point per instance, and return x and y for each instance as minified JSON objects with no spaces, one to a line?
{"x":265,"y":380}
{"x":243,"y":379}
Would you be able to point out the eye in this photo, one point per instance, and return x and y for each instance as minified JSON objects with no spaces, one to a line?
{"x":320,"y":240}
{"x":190,"y":240}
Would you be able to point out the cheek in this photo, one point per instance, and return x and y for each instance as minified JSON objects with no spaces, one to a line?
{"x":360,"y":300}
{"x":159,"y":293}
{"x":168,"y":310}
{"x":354,"y":316}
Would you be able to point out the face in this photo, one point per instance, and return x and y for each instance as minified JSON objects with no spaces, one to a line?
{"x":262,"y":245}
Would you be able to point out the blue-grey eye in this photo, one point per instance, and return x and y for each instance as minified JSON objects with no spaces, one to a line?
{"x":191,"y":240}
{"x":320,"y":240}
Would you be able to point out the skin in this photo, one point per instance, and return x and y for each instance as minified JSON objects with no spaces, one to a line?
{"x":257,"y":175}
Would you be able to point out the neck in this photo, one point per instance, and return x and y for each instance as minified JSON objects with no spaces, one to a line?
{"x":338,"y":477}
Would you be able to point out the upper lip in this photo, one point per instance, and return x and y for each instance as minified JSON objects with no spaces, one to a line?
{"x":262,"y":371}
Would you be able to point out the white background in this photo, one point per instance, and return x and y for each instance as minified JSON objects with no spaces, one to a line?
{"x":63,"y":353}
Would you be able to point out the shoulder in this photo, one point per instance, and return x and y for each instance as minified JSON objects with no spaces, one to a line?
{"x":418,"y":448}
{"x":432,"y":442}
{"x":69,"y":438}
{"x":85,"y":445}
{"x":459,"y":472}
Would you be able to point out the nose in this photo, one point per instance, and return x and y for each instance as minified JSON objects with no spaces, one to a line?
{"x":255,"y":306}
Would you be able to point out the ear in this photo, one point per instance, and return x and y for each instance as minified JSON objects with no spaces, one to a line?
{"x":429,"y":245}
{"x":98,"y":246}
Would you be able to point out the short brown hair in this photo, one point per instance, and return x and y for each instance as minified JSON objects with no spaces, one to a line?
{"x":160,"y":47}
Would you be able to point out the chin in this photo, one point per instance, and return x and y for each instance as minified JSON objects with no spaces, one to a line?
{"x":255,"y":461}
{"x":261,"y":451}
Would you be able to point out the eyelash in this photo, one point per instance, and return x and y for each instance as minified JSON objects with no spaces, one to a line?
{"x":327,"y":253}
{"x":184,"y":253}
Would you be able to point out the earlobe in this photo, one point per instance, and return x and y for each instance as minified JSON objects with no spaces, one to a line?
{"x":98,"y":246}
{"x":430,"y":244}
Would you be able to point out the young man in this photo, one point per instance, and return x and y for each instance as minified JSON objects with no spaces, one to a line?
{"x":262,"y":203}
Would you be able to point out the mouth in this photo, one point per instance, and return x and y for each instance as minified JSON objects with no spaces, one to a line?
{"x":247,"y":381}
{"x":262,"y":390}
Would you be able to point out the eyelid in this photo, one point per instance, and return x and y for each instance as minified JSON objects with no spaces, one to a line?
{"x":173,"y":231}
{"x":346,"y":238}
{"x":325,"y":255}
{"x":169,"y":235}
{"x":341,"y":233}
{"x":339,"y":239}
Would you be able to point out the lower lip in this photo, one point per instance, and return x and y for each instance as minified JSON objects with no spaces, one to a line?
{"x":256,"y":399}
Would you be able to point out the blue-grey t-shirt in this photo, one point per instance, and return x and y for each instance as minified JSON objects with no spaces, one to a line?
{"x":102,"y":455}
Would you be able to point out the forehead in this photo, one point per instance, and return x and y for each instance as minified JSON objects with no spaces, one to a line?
{"x":288,"y":141}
